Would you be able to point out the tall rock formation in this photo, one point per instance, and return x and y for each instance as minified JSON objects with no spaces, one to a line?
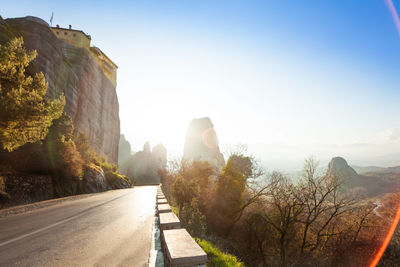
{"x":202,"y":144}
{"x":124,"y":154}
{"x":144,"y":165}
{"x":159,"y":154}
{"x":338,"y":166}
{"x":371,"y":184}
{"x":91,"y":98}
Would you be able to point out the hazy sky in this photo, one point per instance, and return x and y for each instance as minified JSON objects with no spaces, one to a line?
{"x":287,"y":78}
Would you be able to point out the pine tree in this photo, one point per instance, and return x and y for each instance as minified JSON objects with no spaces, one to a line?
{"x":25,"y":114}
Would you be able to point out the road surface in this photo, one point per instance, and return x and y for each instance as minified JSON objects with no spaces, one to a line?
{"x":113,"y":228}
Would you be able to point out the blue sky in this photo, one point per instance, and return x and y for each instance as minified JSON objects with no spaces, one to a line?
{"x":288,"y":78}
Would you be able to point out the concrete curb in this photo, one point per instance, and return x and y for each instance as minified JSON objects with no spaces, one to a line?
{"x":178,"y":247}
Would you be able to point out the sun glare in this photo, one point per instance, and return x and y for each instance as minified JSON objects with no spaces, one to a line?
{"x":387,"y":239}
{"x":129,"y":130}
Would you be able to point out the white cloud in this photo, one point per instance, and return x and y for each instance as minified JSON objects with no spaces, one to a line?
{"x":393,"y":134}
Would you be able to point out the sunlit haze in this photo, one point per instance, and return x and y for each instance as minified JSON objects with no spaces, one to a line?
{"x":287,"y":80}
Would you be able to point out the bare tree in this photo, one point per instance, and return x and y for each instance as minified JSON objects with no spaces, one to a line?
{"x":282,"y":212}
{"x":310,"y":216}
{"x":323,"y":203}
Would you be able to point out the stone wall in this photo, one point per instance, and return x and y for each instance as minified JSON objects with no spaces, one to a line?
{"x":23,"y":189}
{"x":72,"y":37}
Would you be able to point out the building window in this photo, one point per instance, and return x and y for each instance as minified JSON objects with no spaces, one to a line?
{"x":65,"y":33}
{"x":58,"y":32}
{"x":74,"y":34}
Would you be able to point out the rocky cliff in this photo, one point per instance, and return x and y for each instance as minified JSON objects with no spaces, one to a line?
{"x":91,"y":99}
{"x":202,"y":144}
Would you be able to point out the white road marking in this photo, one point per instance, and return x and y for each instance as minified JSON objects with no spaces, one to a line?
{"x":39,"y":230}
{"x":57,"y":223}
{"x":378,"y":205}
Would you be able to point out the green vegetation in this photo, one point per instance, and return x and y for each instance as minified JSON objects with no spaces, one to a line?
{"x":175,"y":210}
{"x":190,"y":190}
{"x":265,"y":219}
{"x":92,"y":158}
{"x":217,"y":258}
{"x":65,"y":158}
{"x":231,"y":185}
{"x":115,"y":177}
{"x":25,"y":114}
{"x":191,"y":183}
{"x":97,"y":161}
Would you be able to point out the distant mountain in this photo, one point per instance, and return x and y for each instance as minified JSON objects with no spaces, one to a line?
{"x":389,"y":160}
{"x":392,"y":170}
{"x":362,"y":170}
{"x":202,"y":144}
{"x":374,"y":169}
{"x":372,"y":182}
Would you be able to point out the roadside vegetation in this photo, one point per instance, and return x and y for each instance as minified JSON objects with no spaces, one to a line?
{"x":265,"y":219}
{"x":217,"y":258}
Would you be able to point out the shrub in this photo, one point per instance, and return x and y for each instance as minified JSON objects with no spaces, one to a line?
{"x":113,"y":177}
{"x":218,"y":258}
{"x":71,"y":162}
{"x":25,"y":113}
{"x":90,"y":156}
{"x":107,"y":167}
{"x":65,"y":159}
{"x":193,"y":220}
{"x":83,"y":146}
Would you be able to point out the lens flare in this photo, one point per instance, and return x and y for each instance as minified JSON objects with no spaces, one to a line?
{"x":394,"y":14}
{"x":396,"y":219}
{"x":209,"y":138}
{"x":387,"y":239}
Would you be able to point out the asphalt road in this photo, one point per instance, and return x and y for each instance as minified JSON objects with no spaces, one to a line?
{"x":113,"y":228}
